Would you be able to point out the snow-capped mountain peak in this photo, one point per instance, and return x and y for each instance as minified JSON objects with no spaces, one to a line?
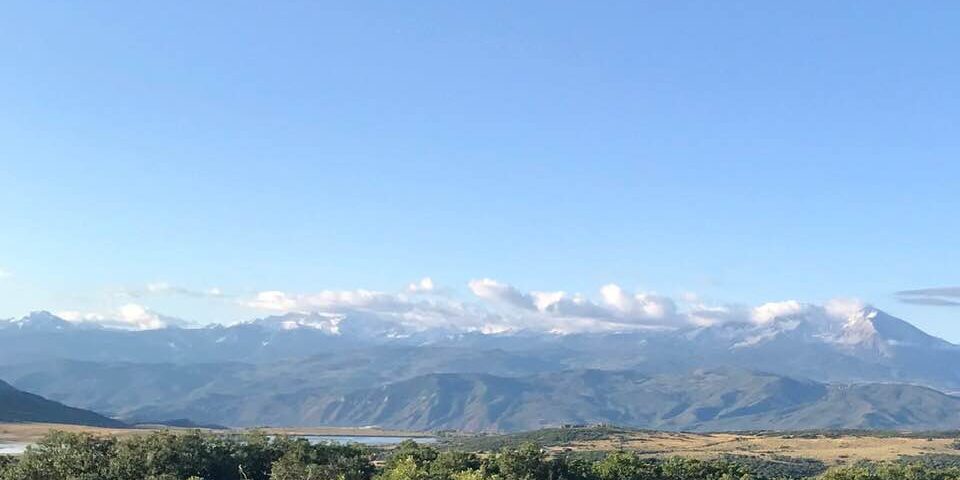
{"x":848,"y":326}
{"x":859,"y":329}
{"x":874,"y":327}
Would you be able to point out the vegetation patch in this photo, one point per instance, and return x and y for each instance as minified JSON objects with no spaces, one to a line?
{"x":195,"y":455}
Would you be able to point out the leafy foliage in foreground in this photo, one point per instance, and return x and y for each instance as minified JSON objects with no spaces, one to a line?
{"x":179,"y":456}
{"x":546,"y":437}
{"x":778,"y":466}
{"x":933,"y":460}
{"x":891,"y":471}
{"x":199,"y":456}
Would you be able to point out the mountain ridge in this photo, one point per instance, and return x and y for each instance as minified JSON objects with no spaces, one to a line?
{"x":724,"y":399}
{"x":295,"y":368}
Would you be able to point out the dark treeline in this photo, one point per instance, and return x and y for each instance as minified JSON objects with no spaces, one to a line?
{"x":196,"y":455}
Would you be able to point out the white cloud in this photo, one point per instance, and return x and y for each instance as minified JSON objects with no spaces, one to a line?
{"x":141,"y":318}
{"x":4,"y":273}
{"x":706,"y":315}
{"x":130,"y":316}
{"x":844,"y":308}
{"x":639,"y":307}
{"x":770,"y":311}
{"x":618,"y":307}
{"x":543,"y":301}
{"x":411,"y":311}
{"x":425,"y":285}
{"x":328,"y":299}
{"x":500,"y":307}
{"x":495,"y":291}
{"x":272,"y":300}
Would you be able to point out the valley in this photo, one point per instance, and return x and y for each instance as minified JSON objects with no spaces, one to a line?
{"x":829,"y":448}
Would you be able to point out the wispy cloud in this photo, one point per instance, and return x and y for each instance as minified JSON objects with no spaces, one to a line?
{"x":934,"y":301}
{"x":4,"y":273}
{"x":936,"y":296}
{"x":937,"y":291}
{"x":164,"y":288}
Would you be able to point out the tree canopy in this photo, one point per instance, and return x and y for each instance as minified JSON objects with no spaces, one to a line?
{"x":194,"y":455}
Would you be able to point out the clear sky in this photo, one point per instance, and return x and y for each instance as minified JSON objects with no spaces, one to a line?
{"x":742,"y":151}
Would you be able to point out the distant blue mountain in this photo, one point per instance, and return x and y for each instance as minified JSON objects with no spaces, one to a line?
{"x":300,"y":369}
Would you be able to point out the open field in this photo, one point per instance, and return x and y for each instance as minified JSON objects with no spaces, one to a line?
{"x":826,"y":449}
{"x":830,"y":448}
{"x":31,"y":432}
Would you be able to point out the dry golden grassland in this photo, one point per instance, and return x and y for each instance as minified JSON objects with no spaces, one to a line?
{"x":828,"y":449}
{"x":31,"y":432}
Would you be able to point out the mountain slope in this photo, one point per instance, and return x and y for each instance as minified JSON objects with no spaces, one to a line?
{"x":862,"y":345}
{"x":150,"y":392}
{"x":19,"y":406}
{"x":315,"y":368}
{"x":724,"y":399}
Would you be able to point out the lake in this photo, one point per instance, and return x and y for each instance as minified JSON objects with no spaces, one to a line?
{"x":12,"y":448}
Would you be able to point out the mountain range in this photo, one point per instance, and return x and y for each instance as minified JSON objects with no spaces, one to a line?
{"x":803,"y":368}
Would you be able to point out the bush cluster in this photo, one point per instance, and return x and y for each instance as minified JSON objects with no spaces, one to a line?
{"x":202,"y":456}
{"x":181,"y":456}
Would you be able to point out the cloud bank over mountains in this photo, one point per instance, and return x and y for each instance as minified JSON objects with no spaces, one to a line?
{"x":131,"y":316}
{"x":490,"y":307}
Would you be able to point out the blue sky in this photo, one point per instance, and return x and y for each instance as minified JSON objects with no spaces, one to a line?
{"x":742,"y":151}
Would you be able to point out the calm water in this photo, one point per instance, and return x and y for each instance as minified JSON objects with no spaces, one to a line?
{"x":365,"y":440}
{"x":12,"y":448}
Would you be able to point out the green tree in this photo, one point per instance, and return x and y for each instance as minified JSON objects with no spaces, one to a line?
{"x":64,"y":456}
{"x":405,"y":468}
{"x":624,"y":466}
{"x":525,"y":463}
{"x":470,"y":475}
{"x":301,"y":461}
{"x":891,"y":471}
{"x":422,"y":455}
{"x":565,"y":468}
{"x":446,"y":465}
{"x":292,"y":467}
{"x":677,"y":468}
